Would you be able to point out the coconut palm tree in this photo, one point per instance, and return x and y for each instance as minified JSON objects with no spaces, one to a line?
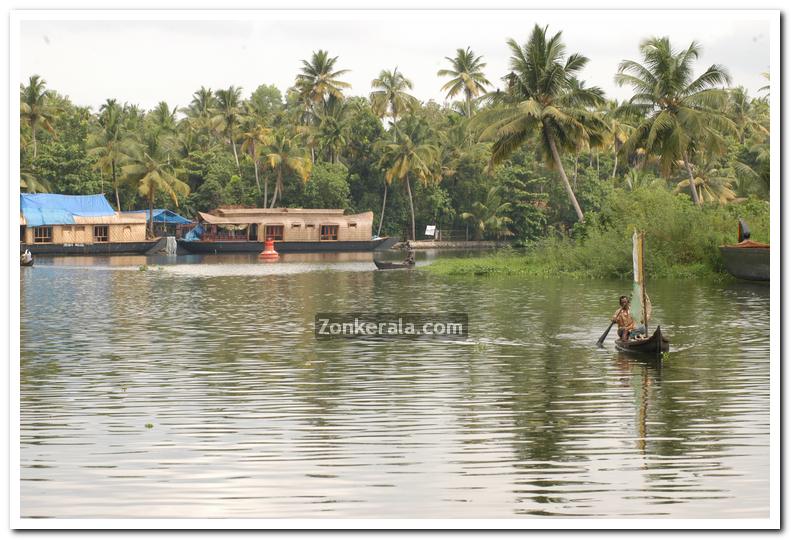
{"x":390,"y":96}
{"x":201,"y":118}
{"x":28,"y":182}
{"x":110,"y":144}
{"x":405,"y":158}
{"x":487,"y":216}
{"x":466,"y":77}
{"x":748,"y":115}
{"x":318,"y":80}
{"x":544,"y":99}
{"x":255,"y":136}
{"x":682,"y":114}
{"x":619,"y":126}
{"x":150,"y":169}
{"x":333,"y":131}
{"x":164,"y":118}
{"x":229,"y":108}
{"x":34,"y":108}
{"x":284,"y":156}
{"x":712,"y":182}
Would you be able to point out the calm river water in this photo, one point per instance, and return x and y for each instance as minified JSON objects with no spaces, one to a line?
{"x":197,"y":389}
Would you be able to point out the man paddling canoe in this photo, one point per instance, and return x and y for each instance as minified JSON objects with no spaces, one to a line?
{"x":627,"y":328}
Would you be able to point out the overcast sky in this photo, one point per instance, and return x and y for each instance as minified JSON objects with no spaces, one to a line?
{"x":144,"y":62}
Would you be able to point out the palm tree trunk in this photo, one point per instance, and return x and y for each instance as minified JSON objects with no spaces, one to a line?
{"x":115,"y":185}
{"x":235,"y":155}
{"x":266,"y":189}
{"x":257,"y":181}
{"x":597,"y":165}
{"x":382,"y":215}
{"x":576,"y":159}
{"x":151,"y":214}
{"x":411,"y":207}
{"x":693,"y":189}
{"x":615,"y":166}
{"x":277,"y":186}
{"x":35,"y":146}
{"x":556,"y":156}
{"x":469,"y":106}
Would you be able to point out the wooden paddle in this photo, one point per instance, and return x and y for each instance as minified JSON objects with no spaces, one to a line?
{"x":604,"y":335}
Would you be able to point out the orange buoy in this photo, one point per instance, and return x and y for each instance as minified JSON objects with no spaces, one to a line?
{"x":269,"y":253}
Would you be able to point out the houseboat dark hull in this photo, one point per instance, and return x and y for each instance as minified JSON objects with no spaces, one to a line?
{"x":236,"y":246}
{"x":103,"y":248}
{"x":750,"y":263}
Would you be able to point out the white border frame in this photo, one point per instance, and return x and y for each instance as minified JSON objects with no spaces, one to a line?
{"x":772,"y":522}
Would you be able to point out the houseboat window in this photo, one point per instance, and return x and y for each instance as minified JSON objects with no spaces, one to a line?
{"x":329,"y":232}
{"x":274,"y":232}
{"x":310,"y":226}
{"x":22,"y":230}
{"x":101,"y":233}
{"x":252,"y":231}
{"x":352,"y":225}
{"x":296,"y":225}
{"x":42,"y":235}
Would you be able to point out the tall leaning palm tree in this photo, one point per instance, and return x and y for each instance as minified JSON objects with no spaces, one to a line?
{"x":34,"y":108}
{"x":406,"y":158}
{"x":229,"y":108}
{"x":544,"y":99}
{"x":284,"y":156}
{"x":683,"y":114}
{"x":467,"y":76}
{"x":150,"y":169}
{"x":390,"y":96}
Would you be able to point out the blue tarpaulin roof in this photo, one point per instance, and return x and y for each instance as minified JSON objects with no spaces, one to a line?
{"x":53,"y":209}
{"x":162,"y":215}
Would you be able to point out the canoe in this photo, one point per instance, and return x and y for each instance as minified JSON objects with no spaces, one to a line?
{"x":747,"y":260}
{"x":381,"y":265}
{"x":656,"y":344}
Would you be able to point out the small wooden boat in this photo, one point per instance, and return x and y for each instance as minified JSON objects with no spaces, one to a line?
{"x":747,"y":259}
{"x":382,"y":265}
{"x":26,"y":259}
{"x":655,"y":344}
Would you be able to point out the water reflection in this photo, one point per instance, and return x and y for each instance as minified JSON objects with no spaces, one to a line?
{"x":252,"y":417}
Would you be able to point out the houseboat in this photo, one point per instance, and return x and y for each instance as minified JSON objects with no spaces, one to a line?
{"x":747,"y":259}
{"x":294,"y":230}
{"x":78,"y":225}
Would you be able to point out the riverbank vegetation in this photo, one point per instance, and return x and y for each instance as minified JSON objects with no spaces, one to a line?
{"x":533,"y":155}
{"x":681,"y":240}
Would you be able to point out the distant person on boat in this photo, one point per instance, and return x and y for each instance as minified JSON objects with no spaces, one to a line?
{"x":410,"y":254}
{"x":623,"y":318}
